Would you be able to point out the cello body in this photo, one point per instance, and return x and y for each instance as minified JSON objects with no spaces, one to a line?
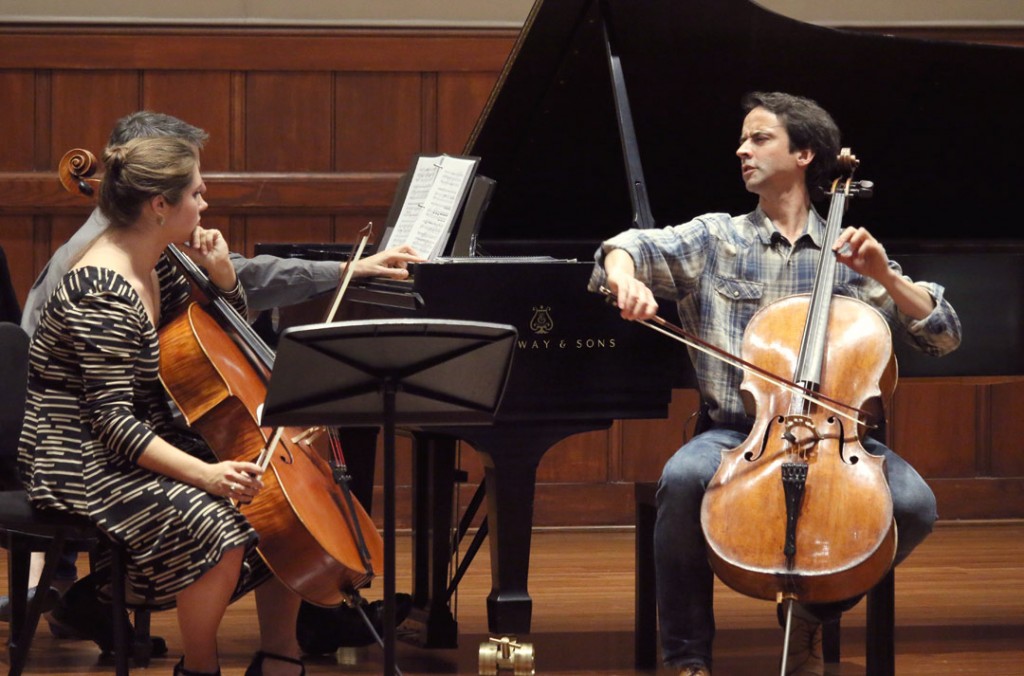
{"x":800,"y":510}
{"x":846,"y":537}
{"x":305,"y":526}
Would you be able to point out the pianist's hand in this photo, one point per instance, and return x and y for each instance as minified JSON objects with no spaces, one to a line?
{"x":390,"y":263}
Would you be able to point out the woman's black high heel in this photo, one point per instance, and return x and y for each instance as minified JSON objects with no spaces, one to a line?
{"x":256,"y":666}
{"x":180,"y":670}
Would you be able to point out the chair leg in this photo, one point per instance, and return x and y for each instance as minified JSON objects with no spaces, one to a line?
{"x":143,"y":648}
{"x":122,"y":648}
{"x":25,"y":615}
{"x":645,"y":632}
{"x":830,"y":641}
{"x":881,"y":627}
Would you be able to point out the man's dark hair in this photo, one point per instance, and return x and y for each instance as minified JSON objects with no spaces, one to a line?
{"x":147,"y":124}
{"x":808,"y":125}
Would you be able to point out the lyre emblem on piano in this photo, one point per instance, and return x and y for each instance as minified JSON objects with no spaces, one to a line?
{"x":541,"y":322}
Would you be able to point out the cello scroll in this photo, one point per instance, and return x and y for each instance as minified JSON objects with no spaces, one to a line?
{"x":76,"y":170}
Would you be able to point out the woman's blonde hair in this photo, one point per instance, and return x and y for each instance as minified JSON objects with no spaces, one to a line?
{"x":141,"y":169}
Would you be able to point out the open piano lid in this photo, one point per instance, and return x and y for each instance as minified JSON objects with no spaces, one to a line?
{"x":935,"y":124}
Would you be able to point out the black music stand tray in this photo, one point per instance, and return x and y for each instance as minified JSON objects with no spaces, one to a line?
{"x":388,"y":372}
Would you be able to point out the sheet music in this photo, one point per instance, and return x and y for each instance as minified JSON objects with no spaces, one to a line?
{"x":431,"y":203}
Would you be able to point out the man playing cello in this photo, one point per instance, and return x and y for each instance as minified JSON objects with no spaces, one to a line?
{"x":719,"y":270}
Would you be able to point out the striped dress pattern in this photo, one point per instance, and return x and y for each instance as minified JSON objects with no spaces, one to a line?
{"x":95,"y":402}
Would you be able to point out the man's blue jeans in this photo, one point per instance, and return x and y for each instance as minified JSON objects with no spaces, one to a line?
{"x":684,"y":578}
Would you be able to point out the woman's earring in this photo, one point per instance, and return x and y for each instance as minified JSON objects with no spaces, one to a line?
{"x":160,"y":219}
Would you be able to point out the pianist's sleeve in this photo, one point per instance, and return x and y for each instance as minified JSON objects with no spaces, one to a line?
{"x":270,"y":281}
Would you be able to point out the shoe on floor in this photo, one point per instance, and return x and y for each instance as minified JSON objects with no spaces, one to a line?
{"x":695,"y":670}
{"x":805,"y":657}
{"x":323,"y":630}
{"x":49,"y":602}
{"x":81,"y":615}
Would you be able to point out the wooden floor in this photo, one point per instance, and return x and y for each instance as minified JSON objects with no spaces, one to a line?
{"x":959,"y":600}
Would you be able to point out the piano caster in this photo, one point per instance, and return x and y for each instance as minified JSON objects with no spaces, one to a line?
{"x":505,"y":653}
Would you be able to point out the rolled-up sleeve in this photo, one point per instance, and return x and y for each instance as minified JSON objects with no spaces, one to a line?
{"x":938,"y":333}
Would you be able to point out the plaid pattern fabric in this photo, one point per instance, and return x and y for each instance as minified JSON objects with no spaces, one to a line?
{"x":721,"y":269}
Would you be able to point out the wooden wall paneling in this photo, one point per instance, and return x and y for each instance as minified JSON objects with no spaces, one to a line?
{"x":934,"y":426}
{"x":428,"y":114}
{"x":378,"y":121}
{"x":979,"y":498}
{"x":460,"y":101}
{"x":17,"y":115}
{"x":255,"y":49}
{"x":289,"y":121}
{"x":43,"y":102}
{"x":583,"y":504}
{"x":581,"y":458}
{"x":85,"y":106}
{"x":237,"y":110}
{"x":18,"y":245}
{"x":201,"y":98}
{"x":1007,"y":426}
{"x":648,"y":444}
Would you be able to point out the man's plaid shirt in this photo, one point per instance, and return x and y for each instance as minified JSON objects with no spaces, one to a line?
{"x":720,"y":269}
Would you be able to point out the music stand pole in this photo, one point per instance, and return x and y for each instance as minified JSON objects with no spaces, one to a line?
{"x":390,"y":388}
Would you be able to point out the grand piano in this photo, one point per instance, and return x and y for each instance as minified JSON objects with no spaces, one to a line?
{"x":617,"y":113}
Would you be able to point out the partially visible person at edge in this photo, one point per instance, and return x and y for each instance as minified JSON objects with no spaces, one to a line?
{"x":719,"y":270}
{"x":269,"y":282}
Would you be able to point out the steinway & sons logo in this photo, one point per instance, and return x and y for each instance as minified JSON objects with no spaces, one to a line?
{"x":545,"y":338}
{"x":541,"y":324}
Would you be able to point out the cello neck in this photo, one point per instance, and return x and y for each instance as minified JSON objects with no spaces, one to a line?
{"x":249,"y":340}
{"x":815,"y":336}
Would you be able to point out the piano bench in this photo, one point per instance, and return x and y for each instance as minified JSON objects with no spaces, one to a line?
{"x":879,"y":639}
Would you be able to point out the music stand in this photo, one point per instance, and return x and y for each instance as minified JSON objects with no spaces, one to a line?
{"x":388,"y":372}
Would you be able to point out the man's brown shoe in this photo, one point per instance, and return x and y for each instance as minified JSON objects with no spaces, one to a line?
{"x":804,"y":657}
{"x":695,"y":670}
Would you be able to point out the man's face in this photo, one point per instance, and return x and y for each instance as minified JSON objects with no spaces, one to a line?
{"x":766,"y":161}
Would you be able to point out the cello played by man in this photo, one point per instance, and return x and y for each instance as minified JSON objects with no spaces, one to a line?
{"x":719,"y":270}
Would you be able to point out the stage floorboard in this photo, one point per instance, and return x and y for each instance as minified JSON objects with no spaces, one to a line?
{"x":959,"y":610}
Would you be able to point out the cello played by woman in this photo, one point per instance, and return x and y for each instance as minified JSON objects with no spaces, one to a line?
{"x":720,"y":270}
{"x":98,"y":438}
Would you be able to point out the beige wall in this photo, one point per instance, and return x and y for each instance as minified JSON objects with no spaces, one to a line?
{"x":504,"y":13}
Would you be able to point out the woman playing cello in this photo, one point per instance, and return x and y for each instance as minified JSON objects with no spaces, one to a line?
{"x":720,"y":270}
{"x":98,"y":438}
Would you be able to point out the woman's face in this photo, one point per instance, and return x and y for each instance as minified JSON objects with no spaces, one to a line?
{"x":183,"y":217}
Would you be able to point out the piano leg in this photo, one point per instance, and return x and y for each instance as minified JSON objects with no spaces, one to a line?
{"x":511,"y":453}
{"x":430,"y":623}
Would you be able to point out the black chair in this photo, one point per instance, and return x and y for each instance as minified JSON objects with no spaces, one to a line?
{"x":25,"y":529}
{"x":881,"y":606}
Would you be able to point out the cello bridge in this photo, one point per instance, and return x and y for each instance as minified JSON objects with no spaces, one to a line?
{"x":801,"y":434}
